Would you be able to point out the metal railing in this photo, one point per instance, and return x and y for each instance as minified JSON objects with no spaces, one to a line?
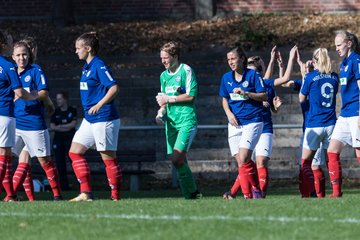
{"x":154,"y":127}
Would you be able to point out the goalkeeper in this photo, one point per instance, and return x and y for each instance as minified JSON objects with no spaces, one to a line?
{"x":177,"y":111}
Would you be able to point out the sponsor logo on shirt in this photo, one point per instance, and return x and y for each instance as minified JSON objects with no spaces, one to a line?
{"x":12,"y":69}
{"x":1,"y":69}
{"x":88,"y":73}
{"x":346,"y":68}
{"x":343,"y":81}
{"x":238,"y":97}
{"x":103,"y":67}
{"x":245,"y":84}
{"x":230,"y":83}
{"x":171,"y":89}
{"x":83,"y":86}
{"x":27,"y":78}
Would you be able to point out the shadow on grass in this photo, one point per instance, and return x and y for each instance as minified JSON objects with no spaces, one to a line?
{"x":169,"y":193}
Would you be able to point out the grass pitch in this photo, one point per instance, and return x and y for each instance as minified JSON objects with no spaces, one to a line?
{"x":165,"y":215}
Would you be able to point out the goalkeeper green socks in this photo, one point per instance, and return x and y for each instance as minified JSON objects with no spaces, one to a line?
{"x":186,"y":181}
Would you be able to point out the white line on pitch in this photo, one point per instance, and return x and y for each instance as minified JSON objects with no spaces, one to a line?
{"x":177,"y":217}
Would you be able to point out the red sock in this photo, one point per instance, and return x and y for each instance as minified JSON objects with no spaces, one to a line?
{"x":263,"y":179}
{"x":308,"y":178}
{"x":81,"y":170}
{"x":301,"y":183}
{"x":335,"y":172}
{"x":319,"y":182}
{"x":252,"y":174}
{"x":244,"y":182}
{"x":29,"y":185}
{"x":236,"y":186}
{"x":2,"y":169}
{"x":53,"y":177}
{"x":19,"y":175}
{"x":7,"y":181}
{"x":114,"y":175}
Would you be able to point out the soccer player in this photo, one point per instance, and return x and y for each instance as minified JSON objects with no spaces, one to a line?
{"x":320,"y":87}
{"x":23,"y":171}
{"x":101,"y":123}
{"x":9,"y":84}
{"x":320,"y":157}
{"x":347,"y":126}
{"x":179,"y":90}
{"x":32,"y":134}
{"x":243,"y":91}
{"x":263,"y":149}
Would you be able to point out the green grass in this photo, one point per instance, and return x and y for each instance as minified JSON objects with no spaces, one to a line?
{"x":165,"y":215}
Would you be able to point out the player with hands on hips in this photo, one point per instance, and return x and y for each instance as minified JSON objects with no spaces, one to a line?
{"x":101,"y":123}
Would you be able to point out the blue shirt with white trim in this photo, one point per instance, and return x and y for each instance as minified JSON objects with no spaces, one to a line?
{"x":30,"y":113}
{"x":9,"y":81}
{"x":245,"y":109}
{"x":95,"y":81}
{"x":349,"y":74}
{"x":321,"y":89}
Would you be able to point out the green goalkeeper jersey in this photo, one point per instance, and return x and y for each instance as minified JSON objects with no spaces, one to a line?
{"x":174,"y":84}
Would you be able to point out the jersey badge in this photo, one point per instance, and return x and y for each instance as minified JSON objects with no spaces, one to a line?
{"x":27,"y":78}
{"x":245,"y":84}
{"x":178,"y":78}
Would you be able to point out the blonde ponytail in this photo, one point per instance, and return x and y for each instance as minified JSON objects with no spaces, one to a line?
{"x":323,"y":61}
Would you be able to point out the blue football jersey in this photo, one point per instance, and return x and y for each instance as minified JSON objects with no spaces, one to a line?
{"x":9,"y":80}
{"x":321,"y":89}
{"x":30,"y":113}
{"x":95,"y":81}
{"x":245,"y":109}
{"x":349,"y":74}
